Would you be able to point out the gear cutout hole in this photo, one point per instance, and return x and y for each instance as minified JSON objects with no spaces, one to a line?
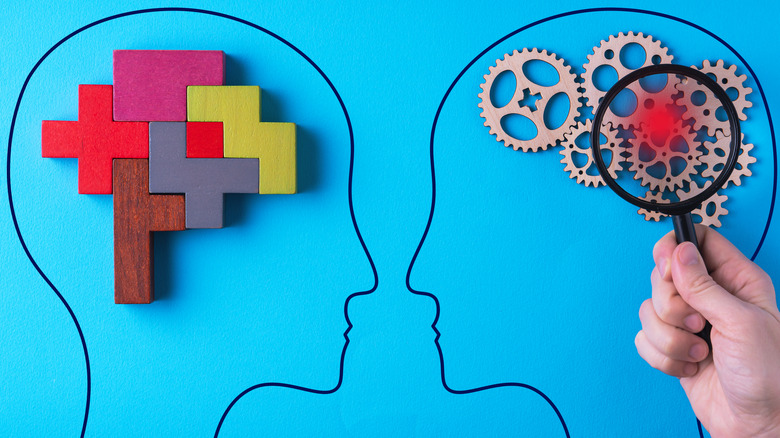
{"x":579,"y":160}
{"x":541,"y":73}
{"x":698,"y":98}
{"x":519,"y":127}
{"x":733,"y":93}
{"x":710,"y":208}
{"x":606,"y":157}
{"x":557,"y":111}
{"x":604,"y":77}
{"x":654,"y":83}
{"x":657,"y":170}
{"x":646,"y":153}
{"x":633,"y":56}
{"x":721,"y":115}
{"x":624,"y":104}
{"x":529,"y":100}
{"x":503,"y":89}
{"x":679,"y":144}
{"x":677,"y":166}
{"x":660,"y":137}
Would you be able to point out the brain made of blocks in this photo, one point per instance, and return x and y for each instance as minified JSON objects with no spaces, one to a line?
{"x":168,"y":139}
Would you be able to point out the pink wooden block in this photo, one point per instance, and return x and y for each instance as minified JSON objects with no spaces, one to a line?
{"x":151,"y":85}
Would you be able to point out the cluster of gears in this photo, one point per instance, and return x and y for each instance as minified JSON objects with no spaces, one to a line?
{"x":705,"y":136}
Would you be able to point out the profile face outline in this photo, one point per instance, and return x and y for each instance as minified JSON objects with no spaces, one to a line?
{"x":501,"y":218}
{"x":272,"y":304}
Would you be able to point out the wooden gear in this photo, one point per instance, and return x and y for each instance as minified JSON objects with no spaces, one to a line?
{"x":712,"y":159}
{"x":663,"y":154}
{"x":608,"y":53}
{"x":570,"y":147}
{"x":703,"y":115}
{"x":566,"y":84}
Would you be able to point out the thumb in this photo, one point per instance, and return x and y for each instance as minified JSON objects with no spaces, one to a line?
{"x":698,"y":289}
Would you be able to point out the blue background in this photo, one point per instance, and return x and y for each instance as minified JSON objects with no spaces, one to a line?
{"x":535,"y":285}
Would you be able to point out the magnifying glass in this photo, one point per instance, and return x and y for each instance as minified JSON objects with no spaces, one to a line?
{"x":656,"y":167}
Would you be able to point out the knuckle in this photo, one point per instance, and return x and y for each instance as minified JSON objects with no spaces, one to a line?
{"x":654,"y":277}
{"x":663,"y":309}
{"x":668,"y":345}
{"x":645,"y":308}
{"x":638,"y":339}
{"x":700,"y":283}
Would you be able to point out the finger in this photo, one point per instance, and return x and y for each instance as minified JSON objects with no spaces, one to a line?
{"x":735,"y":272}
{"x":671,"y":308}
{"x":662,"y":254}
{"x":698,"y":288}
{"x":671,"y":341}
{"x":661,"y":362}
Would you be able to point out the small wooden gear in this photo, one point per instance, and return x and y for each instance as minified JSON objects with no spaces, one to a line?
{"x":713,"y":203}
{"x":545,"y":137}
{"x":652,"y":215}
{"x":713,"y":160}
{"x":703,"y":113}
{"x":570,"y":148}
{"x":663,"y":154}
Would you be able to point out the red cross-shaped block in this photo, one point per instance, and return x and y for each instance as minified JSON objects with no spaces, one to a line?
{"x":95,"y":139}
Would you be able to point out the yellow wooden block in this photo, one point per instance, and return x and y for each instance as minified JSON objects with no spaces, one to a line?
{"x":238,"y":108}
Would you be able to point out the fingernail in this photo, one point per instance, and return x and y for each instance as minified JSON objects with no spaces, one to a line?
{"x":698,"y":352}
{"x":661,"y":266}
{"x":688,"y":254}
{"x":693,"y":322}
{"x":690,"y":369}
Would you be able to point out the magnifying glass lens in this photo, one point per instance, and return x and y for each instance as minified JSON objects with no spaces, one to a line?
{"x":665,"y":122}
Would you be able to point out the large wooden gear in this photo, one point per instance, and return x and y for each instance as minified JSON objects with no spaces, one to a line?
{"x":566,"y":84}
{"x":608,"y":54}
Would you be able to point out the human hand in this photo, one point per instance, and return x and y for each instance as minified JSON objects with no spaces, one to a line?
{"x":735,"y":391}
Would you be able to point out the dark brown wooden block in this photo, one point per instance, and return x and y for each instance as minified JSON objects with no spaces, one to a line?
{"x":137,"y":214}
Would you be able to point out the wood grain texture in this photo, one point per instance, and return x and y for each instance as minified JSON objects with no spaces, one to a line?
{"x":245,"y":136}
{"x":204,"y":181}
{"x":95,"y":139}
{"x":137,"y":214}
{"x":151,"y":85}
{"x":205,"y":140}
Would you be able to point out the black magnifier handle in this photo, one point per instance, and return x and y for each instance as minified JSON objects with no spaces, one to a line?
{"x":685,"y":232}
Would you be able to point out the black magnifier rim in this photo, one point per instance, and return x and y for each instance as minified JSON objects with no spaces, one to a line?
{"x":688,"y":205}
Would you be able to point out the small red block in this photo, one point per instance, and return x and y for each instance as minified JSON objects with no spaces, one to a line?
{"x":205,"y":140}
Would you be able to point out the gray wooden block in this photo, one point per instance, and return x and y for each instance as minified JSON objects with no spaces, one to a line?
{"x":203,"y":181}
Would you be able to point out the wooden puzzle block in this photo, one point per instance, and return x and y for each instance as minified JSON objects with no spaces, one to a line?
{"x":245,"y":136}
{"x":151,"y":85}
{"x":137,"y":214}
{"x":203,"y":181}
{"x":95,"y":139}
{"x":205,"y":140}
